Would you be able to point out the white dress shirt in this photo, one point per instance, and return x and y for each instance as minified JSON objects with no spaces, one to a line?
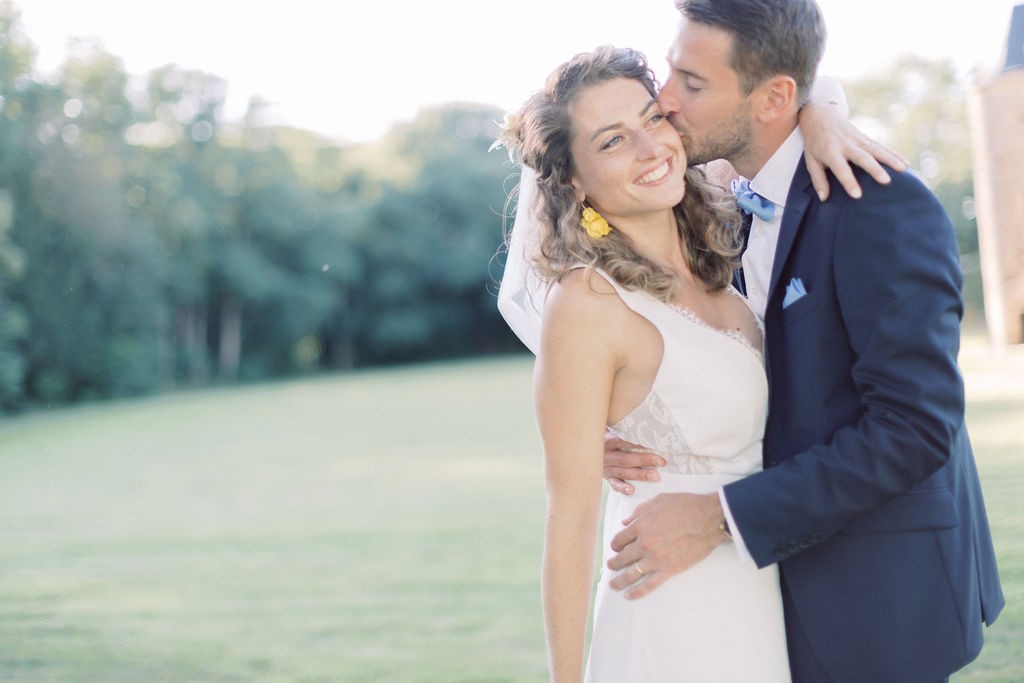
{"x":771,"y":182}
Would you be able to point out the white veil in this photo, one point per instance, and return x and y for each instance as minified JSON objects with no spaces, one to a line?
{"x":522,"y":291}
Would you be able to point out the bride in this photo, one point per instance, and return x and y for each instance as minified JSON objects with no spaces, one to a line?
{"x":641,"y":335}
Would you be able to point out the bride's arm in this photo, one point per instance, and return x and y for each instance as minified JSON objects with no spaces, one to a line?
{"x":832,"y":142}
{"x":572,"y":386}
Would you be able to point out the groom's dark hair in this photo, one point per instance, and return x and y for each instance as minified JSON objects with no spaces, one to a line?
{"x":770,"y":37}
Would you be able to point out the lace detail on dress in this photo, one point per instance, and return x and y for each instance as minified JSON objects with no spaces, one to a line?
{"x":735,"y":335}
{"x":651,"y":424}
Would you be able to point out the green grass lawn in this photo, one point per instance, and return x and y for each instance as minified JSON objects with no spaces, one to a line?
{"x":378,"y":526}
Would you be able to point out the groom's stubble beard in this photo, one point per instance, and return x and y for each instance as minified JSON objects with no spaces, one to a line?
{"x":730,"y":141}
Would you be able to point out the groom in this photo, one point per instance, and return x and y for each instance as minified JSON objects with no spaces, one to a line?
{"x":869,"y":500}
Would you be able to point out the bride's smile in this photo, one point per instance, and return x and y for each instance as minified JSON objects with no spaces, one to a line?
{"x":656,"y":175}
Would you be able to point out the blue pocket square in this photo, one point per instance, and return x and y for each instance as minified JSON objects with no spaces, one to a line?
{"x":794,"y":292}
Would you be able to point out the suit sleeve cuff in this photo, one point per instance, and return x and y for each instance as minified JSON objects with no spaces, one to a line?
{"x":737,"y":538}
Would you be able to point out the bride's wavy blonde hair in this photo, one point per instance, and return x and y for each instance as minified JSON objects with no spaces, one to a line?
{"x":540,"y":135}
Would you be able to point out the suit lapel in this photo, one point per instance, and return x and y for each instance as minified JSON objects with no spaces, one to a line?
{"x":739,"y":281}
{"x":797,"y":201}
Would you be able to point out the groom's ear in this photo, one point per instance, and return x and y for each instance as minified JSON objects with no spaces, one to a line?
{"x":777,"y":97}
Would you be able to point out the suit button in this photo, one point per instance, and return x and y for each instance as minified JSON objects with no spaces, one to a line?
{"x":780,"y":552}
{"x":771,"y":463}
{"x":817,"y":537}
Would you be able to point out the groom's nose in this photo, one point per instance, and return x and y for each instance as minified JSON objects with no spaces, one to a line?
{"x":669,"y":103}
{"x":668,"y":97}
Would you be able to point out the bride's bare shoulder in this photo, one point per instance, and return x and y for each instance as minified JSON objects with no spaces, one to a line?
{"x":583,"y":296}
{"x":586,"y":287}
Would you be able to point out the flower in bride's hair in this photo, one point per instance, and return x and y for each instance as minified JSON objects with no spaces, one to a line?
{"x":594,"y":223}
{"x":507,"y":132}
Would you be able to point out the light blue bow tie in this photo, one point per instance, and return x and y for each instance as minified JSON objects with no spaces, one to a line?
{"x":751,"y":202}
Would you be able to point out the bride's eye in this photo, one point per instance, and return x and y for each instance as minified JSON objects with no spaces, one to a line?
{"x":611,"y":142}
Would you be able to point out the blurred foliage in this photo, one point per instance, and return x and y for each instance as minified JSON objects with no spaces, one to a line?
{"x":147,"y":243}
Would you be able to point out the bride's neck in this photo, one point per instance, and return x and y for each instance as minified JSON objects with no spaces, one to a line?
{"x":657,"y":238}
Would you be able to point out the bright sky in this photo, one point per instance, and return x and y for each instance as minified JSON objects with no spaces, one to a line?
{"x":352,"y":68}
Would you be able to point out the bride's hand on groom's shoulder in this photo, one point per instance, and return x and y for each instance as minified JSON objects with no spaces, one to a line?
{"x":625,"y":462}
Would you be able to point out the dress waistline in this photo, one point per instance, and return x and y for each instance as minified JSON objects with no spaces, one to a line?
{"x":672,"y":482}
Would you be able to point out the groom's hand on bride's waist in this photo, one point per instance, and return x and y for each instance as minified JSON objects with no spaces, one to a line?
{"x":625,"y":462}
{"x":665,"y":536}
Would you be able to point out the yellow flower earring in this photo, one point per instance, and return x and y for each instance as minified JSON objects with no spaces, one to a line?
{"x":594,"y":223}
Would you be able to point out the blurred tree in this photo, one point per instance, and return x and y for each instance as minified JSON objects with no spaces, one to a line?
{"x":145,"y":242}
{"x":16,"y":55}
{"x":336,"y":250}
{"x":430,"y":238}
{"x":266,"y":267}
{"x":90,"y":279}
{"x":177,"y":192}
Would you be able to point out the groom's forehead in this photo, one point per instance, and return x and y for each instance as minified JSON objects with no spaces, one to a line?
{"x":699,"y":47}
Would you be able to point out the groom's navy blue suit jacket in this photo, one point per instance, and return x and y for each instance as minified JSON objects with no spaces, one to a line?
{"x":870,"y":499}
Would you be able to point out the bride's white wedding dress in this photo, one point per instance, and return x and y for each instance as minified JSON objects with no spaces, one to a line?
{"x":720,"y":621}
